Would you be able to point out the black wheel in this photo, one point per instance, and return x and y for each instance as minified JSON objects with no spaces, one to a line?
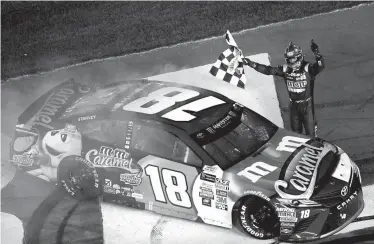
{"x":258,"y":218}
{"x":78,"y":177}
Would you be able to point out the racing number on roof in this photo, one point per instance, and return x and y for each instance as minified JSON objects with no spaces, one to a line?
{"x":166,"y":97}
{"x":160,"y":99}
{"x":175,"y":186}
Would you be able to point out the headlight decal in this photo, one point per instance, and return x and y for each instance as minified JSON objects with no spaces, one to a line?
{"x":344,"y":169}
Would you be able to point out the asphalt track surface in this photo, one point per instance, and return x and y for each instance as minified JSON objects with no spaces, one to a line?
{"x":344,"y":91}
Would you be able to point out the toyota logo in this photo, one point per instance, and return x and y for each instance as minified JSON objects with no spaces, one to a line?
{"x":344,"y":191}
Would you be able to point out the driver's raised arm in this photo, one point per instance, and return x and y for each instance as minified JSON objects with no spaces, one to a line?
{"x":265,"y":69}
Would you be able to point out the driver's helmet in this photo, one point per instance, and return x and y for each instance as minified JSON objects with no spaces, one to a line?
{"x":293,"y":56}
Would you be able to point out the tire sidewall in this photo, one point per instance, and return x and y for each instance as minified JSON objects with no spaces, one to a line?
{"x":247,"y":226}
{"x":70,"y":164}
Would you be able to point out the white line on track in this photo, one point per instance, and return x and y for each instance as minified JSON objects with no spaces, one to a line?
{"x":189,"y":42}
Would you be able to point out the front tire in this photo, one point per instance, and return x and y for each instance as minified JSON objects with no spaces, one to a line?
{"x":78,"y":177}
{"x":258,"y":218}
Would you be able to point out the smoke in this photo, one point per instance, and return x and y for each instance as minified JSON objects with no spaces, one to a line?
{"x":17,"y":95}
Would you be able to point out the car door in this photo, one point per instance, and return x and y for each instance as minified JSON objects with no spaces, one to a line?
{"x":170,"y":169}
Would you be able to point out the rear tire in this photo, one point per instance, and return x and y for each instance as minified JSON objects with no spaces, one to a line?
{"x":79,"y":178}
{"x":258,"y":218}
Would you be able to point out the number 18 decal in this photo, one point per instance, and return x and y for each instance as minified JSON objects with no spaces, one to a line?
{"x":166,"y":97}
{"x":175,"y":186}
{"x":305,"y":214}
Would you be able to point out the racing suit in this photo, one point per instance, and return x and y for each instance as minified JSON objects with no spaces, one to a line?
{"x":300,"y":86}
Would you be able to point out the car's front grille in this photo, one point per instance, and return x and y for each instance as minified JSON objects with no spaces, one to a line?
{"x":325,"y":195}
{"x":334,"y":221}
{"x":305,"y":223}
{"x":329,"y":202}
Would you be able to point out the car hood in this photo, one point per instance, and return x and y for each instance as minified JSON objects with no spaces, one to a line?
{"x":291,"y":165}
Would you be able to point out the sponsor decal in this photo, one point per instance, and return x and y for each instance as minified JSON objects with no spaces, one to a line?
{"x":209,"y":169}
{"x":288,"y":219}
{"x":305,"y":214}
{"x":291,"y":210}
{"x":208,"y":177}
{"x":258,"y":193}
{"x":222,"y":185}
{"x":206,"y":194}
{"x":126,"y":189}
{"x":287,"y":214}
{"x":23,"y":160}
{"x":109,"y":190}
{"x":109,"y":157}
{"x":134,"y":179}
{"x":296,"y":86}
{"x":290,"y":143}
{"x":90,"y":117}
{"x":205,"y":185}
{"x":200,"y":135}
{"x":126,"y":193}
{"x":54,"y":103}
{"x":347,"y":201}
{"x":137,"y":195}
{"x":221,"y":193}
{"x":344,"y":191}
{"x":71,"y":192}
{"x":230,"y":120}
{"x":245,"y":224}
{"x":107,"y":182}
{"x":256,"y":171}
{"x":285,"y":224}
{"x":286,"y":230}
{"x":128,"y":136}
{"x":211,"y":130}
{"x":304,"y":174}
{"x":222,"y":200}
{"x":297,"y":202}
{"x":223,"y":182}
{"x":206,"y":202}
{"x":210,"y":189}
{"x":223,"y":123}
{"x":221,"y":206}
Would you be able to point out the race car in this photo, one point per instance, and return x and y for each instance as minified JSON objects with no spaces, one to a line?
{"x":191,"y":153}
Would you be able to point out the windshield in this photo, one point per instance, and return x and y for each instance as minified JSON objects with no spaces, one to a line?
{"x":235,"y":136}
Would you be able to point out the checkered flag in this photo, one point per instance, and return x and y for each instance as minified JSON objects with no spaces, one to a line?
{"x":229,"y":65}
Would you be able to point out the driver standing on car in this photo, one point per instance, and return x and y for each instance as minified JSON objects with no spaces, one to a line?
{"x":299,"y":76}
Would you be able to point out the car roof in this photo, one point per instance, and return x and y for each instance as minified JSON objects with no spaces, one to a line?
{"x":106,"y":102}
